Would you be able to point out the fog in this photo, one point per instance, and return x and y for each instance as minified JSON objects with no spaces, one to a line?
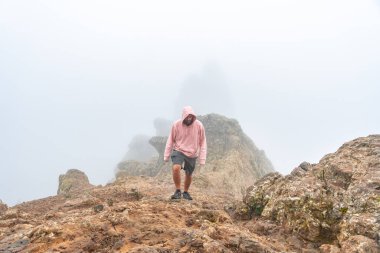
{"x":81,"y":79}
{"x":207,"y":92}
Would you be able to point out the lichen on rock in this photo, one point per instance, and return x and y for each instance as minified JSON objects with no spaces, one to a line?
{"x":326,"y":202}
{"x":73,"y":180}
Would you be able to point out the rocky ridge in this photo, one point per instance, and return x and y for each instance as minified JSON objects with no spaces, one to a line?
{"x":134,"y":214}
{"x":233,"y":160}
{"x":329,"y":207}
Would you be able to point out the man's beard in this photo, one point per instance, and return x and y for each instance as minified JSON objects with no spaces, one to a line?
{"x":188,"y":122}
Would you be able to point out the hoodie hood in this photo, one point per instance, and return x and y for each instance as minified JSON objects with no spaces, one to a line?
{"x":187,"y":110}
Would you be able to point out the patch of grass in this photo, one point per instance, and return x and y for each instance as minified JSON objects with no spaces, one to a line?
{"x":343,"y":210}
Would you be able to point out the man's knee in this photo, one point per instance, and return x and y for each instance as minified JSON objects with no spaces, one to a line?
{"x":176,"y":167}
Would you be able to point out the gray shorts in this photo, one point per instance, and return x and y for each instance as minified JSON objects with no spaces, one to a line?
{"x":180,"y":158}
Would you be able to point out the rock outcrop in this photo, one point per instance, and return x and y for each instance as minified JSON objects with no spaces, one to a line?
{"x":73,"y":180}
{"x":233,"y":161}
{"x":137,"y":168}
{"x":336,"y":201}
{"x":3,"y":207}
{"x":148,"y":168}
{"x":159,"y":142}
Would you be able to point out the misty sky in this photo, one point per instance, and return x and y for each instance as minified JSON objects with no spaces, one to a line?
{"x":80,"y":79}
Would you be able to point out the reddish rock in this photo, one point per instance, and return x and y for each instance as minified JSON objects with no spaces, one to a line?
{"x":328,"y":248}
{"x":360,"y":244}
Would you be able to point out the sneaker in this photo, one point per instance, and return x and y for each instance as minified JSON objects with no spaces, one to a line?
{"x":187,"y":196}
{"x":176,"y":195}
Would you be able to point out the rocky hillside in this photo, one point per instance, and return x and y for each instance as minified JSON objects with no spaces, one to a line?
{"x":335,"y":202}
{"x":135,"y":215}
{"x":329,"y":207}
{"x":233,"y":160}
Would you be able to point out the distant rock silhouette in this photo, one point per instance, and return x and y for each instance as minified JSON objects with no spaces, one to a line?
{"x":73,"y":180}
{"x":139,"y":149}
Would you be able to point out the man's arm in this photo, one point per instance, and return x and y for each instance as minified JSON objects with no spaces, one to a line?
{"x":203,"y":146}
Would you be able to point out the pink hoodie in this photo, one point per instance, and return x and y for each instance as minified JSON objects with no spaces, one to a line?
{"x":190,"y":140}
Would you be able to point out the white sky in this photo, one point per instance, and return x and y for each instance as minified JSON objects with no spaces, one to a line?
{"x":79,"y":79}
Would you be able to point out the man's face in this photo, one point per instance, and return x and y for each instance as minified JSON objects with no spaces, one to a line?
{"x":189,"y":120}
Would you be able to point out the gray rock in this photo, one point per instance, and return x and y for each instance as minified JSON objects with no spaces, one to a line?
{"x":301,"y":169}
{"x":250,"y":245}
{"x":98,"y":208}
{"x":305,"y":166}
{"x":297,"y":172}
{"x":238,"y":211}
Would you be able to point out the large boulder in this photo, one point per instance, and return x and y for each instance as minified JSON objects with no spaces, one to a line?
{"x":261,"y":192}
{"x":335,"y":200}
{"x":74,"y":180}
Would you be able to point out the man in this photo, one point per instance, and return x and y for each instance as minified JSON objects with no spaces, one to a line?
{"x":186,"y":142}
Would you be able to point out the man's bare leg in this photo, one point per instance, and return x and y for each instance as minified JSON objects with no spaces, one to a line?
{"x":177,"y":176}
{"x":188,"y":179}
